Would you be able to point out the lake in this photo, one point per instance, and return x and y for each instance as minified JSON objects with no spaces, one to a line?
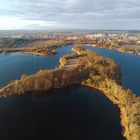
{"x":130,"y":67}
{"x":70,"y":113}
{"x":14,"y":65}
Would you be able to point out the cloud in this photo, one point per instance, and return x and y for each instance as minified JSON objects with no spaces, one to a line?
{"x":15,"y":23}
{"x":75,"y":13}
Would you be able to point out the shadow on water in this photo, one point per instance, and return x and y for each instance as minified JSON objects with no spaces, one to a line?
{"x":71,"y":113}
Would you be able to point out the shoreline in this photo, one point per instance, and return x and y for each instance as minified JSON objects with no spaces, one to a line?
{"x":29,"y":52}
{"x":52,"y":46}
{"x":119,"y":49}
{"x":44,"y":49}
{"x":88,"y":70}
{"x":125,"y":115}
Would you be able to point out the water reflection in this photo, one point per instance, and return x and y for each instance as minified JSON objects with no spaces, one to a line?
{"x":73,"y":113}
{"x":13,"y":65}
{"x":130,"y":66}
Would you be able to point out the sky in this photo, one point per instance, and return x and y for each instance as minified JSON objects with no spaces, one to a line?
{"x":70,"y":14}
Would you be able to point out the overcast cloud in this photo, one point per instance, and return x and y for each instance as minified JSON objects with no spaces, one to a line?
{"x":69,"y":14}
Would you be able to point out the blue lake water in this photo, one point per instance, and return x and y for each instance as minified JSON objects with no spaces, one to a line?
{"x":14,"y":65}
{"x":71,"y":113}
{"x":130,"y":67}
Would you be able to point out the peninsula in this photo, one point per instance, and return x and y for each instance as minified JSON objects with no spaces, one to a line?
{"x":89,"y":69}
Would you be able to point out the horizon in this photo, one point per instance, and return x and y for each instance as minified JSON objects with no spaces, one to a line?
{"x":69,"y":29}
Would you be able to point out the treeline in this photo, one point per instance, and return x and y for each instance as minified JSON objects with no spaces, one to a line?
{"x":41,"y":47}
{"x":128,"y":46}
{"x":111,"y":44}
{"x":43,"y":81}
{"x":46,"y":47}
{"x":130,"y":49}
{"x":99,"y":65}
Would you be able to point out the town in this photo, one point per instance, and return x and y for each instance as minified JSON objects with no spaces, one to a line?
{"x":123,"y":41}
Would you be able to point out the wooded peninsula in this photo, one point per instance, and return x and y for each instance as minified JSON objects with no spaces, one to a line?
{"x":88,"y":69}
